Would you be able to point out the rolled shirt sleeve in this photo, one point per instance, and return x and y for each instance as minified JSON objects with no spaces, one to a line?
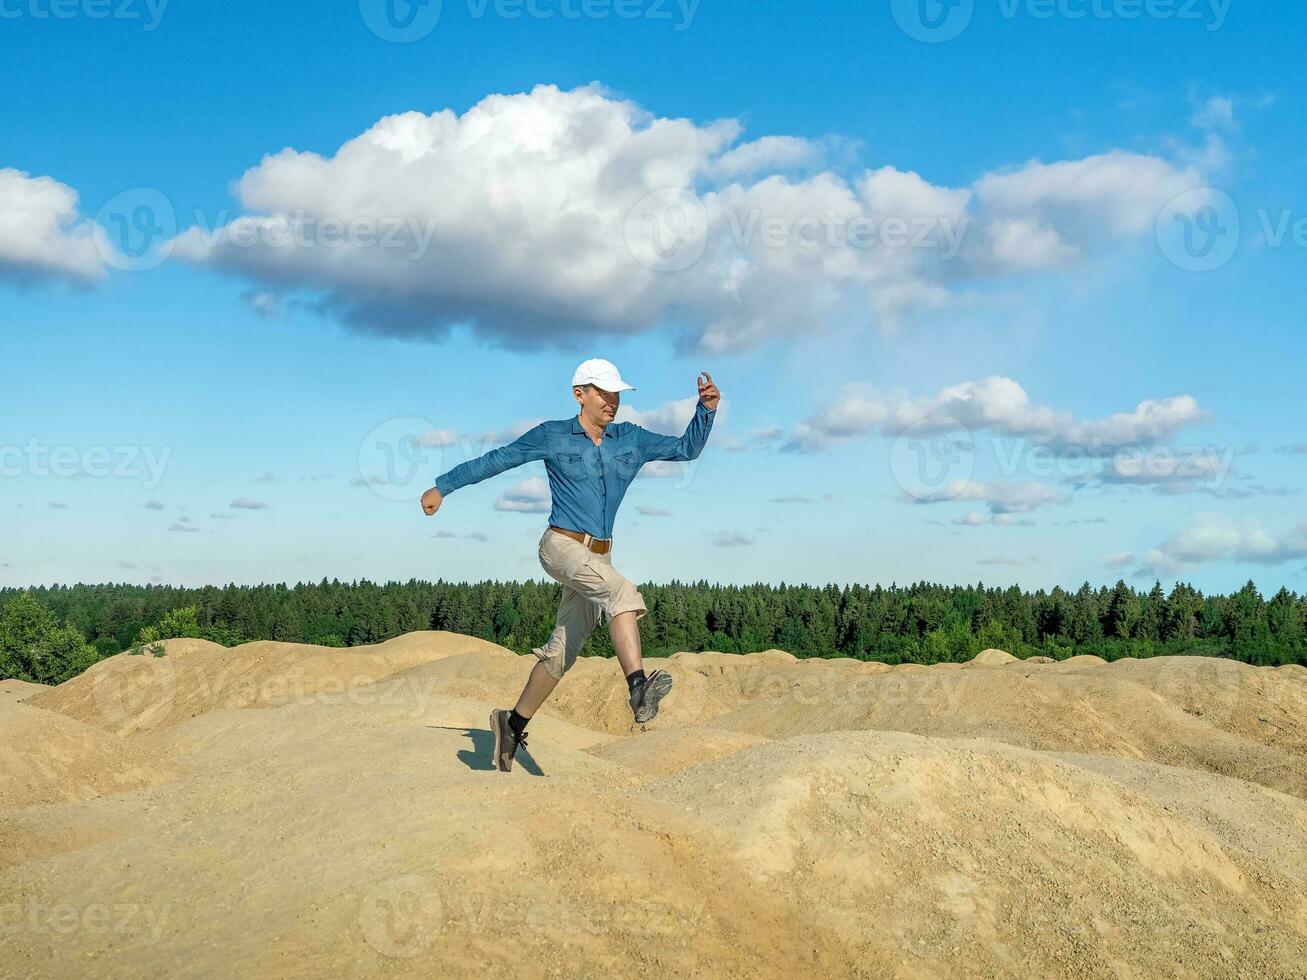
{"x":654,"y":445}
{"x":526,"y":448}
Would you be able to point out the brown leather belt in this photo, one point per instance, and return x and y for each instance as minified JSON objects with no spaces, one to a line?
{"x":600,"y":546}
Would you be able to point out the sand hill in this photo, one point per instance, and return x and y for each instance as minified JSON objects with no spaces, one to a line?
{"x":290,"y":811}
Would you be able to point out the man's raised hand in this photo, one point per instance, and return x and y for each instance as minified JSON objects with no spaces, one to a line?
{"x":431,"y":501}
{"x":708,"y":393}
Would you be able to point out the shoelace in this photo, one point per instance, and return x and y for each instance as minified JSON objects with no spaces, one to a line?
{"x":519,"y":740}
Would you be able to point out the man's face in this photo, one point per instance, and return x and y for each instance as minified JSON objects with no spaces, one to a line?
{"x":597,"y":405}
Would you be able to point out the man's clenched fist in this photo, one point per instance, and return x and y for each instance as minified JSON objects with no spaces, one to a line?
{"x":431,"y":501}
{"x":708,"y":393}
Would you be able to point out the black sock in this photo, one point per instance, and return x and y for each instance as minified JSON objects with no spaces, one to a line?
{"x":634,"y":678}
{"x":517,"y":722}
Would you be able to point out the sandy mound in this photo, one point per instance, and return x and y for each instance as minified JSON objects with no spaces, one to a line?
{"x":948,"y":845}
{"x":1082,"y":660}
{"x":299,"y":811}
{"x":991,"y":658}
{"x":140,"y":693}
{"x":16,"y":690}
{"x":47,"y":758}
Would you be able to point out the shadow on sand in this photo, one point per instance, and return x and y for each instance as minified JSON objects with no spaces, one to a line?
{"x":481,"y":756}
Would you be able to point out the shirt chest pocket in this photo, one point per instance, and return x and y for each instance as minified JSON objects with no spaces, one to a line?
{"x":571,"y":464}
{"x":627,"y":463}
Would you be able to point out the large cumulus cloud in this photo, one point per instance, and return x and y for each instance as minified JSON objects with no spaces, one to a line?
{"x":537,"y":216}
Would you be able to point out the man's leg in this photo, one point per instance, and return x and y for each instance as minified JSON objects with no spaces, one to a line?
{"x":539,"y":686}
{"x":628,"y":603}
{"x":626,"y":641}
{"x":576,"y":620}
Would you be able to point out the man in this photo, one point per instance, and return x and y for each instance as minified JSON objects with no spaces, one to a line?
{"x":591,"y":460}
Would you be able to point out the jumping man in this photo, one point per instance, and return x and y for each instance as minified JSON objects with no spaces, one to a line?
{"x":591,"y":460}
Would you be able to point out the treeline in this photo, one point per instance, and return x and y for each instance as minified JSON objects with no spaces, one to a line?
{"x":921,"y":623}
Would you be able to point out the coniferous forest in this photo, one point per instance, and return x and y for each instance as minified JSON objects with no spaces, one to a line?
{"x":48,"y":634}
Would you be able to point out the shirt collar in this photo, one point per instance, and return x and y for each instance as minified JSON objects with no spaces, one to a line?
{"x":579,"y":429}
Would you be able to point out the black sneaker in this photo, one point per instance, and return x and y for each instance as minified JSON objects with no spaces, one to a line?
{"x":506,"y":740}
{"x":645,"y":697}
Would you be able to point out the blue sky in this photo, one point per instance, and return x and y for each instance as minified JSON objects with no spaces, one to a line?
{"x":911,"y":407}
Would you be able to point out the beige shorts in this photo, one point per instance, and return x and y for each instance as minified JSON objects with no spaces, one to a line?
{"x":592,"y":588}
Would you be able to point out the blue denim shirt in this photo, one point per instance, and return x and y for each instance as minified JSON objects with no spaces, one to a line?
{"x":587,"y":482}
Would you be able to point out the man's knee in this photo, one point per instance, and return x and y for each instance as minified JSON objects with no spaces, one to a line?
{"x":627,"y":599}
{"x":557,"y":655}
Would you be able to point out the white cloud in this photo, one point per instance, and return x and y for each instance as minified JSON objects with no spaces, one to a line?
{"x":1216,"y":537}
{"x":247,"y":503}
{"x":1002,"y":497}
{"x":43,"y":235}
{"x":670,"y":418}
{"x":516,"y":218}
{"x":1062,"y":210}
{"x":529,"y":496}
{"x":768,"y":153}
{"x":995,"y":404}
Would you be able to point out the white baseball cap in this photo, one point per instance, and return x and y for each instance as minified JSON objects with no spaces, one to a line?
{"x":602,"y":374}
